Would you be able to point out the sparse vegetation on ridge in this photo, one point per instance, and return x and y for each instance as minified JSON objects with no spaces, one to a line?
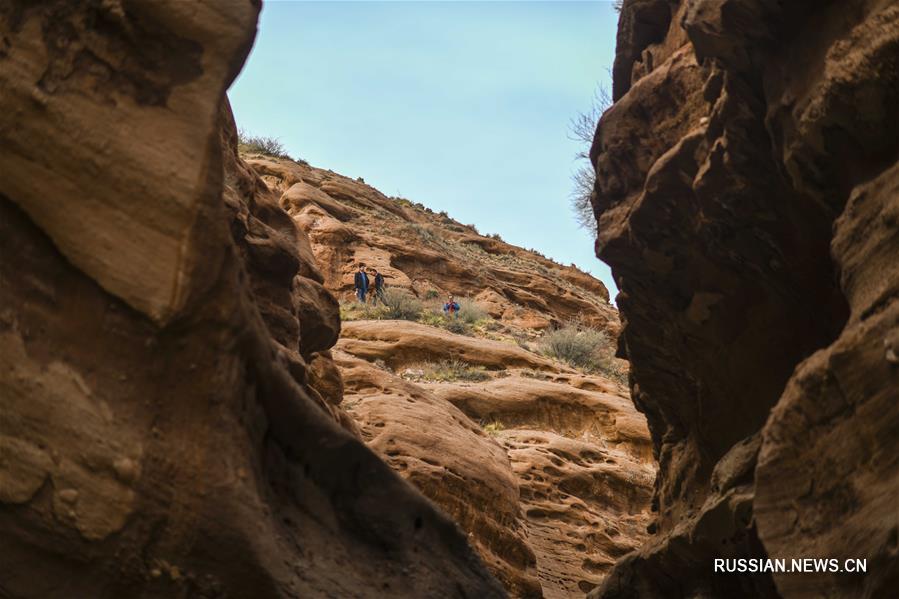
{"x":261,"y":144}
{"x":400,"y":305}
{"x":582,"y":347}
{"x":471,"y":316}
{"x":492,"y":428}
{"x":403,"y":305}
{"x":445,"y":371}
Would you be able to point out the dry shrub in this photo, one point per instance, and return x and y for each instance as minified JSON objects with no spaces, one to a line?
{"x":580,"y":346}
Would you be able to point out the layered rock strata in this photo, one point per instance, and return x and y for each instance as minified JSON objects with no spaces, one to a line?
{"x":549,"y":470}
{"x":430,"y":254}
{"x":746,"y":197}
{"x":169,"y":410}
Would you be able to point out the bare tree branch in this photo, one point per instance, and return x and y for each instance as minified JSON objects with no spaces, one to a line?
{"x":582,"y":128}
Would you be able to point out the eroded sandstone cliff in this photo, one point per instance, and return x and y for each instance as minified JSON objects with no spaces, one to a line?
{"x":548,"y":469}
{"x":747,"y":202}
{"x":351,"y":223}
{"x":169,"y":410}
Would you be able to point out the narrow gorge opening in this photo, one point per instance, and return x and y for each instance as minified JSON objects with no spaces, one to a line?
{"x":513,"y":416}
{"x":237,"y":361}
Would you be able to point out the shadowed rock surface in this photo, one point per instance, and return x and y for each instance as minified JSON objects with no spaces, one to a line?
{"x":747,"y":202}
{"x":169,"y":409}
{"x":548,"y":469}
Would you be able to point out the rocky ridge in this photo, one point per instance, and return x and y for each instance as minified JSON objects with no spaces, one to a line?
{"x":350,"y":223}
{"x":746,"y":199}
{"x":547,"y":469}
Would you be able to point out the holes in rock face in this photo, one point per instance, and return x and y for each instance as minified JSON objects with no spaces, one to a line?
{"x":593,"y":566}
{"x":589,"y":456}
{"x":418,"y":523}
{"x":552,"y":471}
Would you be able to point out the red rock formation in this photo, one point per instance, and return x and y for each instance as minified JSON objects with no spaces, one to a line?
{"x":168,"y":405}
{"x":451,"y":460}
{"x":350,"y":223}
{"x":746,"y":201}
{"x":547,"y":469}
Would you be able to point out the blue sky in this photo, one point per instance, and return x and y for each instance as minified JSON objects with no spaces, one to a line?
{"x":462,"y":106}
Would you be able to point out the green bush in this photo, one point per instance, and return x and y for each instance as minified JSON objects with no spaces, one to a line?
{"x":399,"y":304}
{"x":433,"y":318}
{"x":431,"y":294}
{"x":470,"y":314}
{"x":353,"y":310}
{"x":579,"y":346}
{"x":493,"y":428}
{"x":456,"y":325}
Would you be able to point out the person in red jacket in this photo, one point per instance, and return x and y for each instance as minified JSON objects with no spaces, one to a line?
{"x":451,"y":307}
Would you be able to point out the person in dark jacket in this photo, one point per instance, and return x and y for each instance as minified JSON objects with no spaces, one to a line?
{"x":379,"y":289}
{"x":360,"y":281}
{"x":451,"y":307}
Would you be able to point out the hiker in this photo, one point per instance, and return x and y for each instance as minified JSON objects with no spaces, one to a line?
{"x":361,"y":283}
{"x":379,"y":289}
{"x":451,"y":307}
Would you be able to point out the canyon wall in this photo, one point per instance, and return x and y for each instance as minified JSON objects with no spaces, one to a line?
{"x":549,"y":470}
{"x":170,"y":418}
{"x":747,"y":199}
{"x":429,"y":253}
